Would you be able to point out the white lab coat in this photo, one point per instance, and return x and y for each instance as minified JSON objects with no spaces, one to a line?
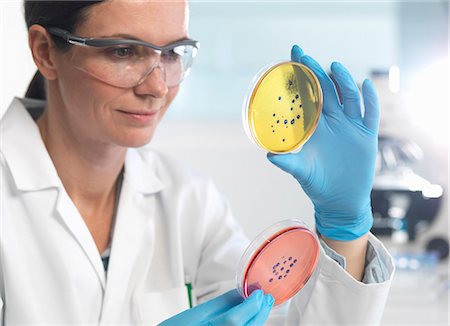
{"x":172,"y":225}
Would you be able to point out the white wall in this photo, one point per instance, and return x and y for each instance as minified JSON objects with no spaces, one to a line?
{"x":16,"y":65}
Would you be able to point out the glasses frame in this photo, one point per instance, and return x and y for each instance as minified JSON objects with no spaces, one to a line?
{"x":104,"y":42}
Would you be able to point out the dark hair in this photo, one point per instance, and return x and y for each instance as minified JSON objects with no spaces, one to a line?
{"x":63,"y":14}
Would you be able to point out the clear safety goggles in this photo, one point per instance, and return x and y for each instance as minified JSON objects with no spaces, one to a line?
{"x":127,"y":63}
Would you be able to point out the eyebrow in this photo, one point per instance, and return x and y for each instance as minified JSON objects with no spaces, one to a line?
{"x":131,"y":37}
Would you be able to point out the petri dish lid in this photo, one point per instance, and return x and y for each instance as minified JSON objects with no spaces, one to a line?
{"x":279,"y":261}
{"x":283,"y":107}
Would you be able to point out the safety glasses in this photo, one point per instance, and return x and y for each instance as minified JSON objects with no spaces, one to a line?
{"x":127,"y":63}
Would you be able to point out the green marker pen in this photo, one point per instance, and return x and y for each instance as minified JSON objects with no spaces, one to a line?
{"x":189,"y":289}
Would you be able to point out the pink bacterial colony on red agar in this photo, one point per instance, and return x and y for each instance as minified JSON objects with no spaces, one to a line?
{"x":283,"y":264}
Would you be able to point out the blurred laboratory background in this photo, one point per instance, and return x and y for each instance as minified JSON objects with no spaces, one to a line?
{"x":403,"y":46}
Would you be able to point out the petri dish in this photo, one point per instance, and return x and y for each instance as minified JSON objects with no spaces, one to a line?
{"x":279,"y":261}
{"x":283,"y":107}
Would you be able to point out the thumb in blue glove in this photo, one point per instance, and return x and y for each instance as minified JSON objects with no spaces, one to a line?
{"x":227,"y":309}
{"x":336,"y":166}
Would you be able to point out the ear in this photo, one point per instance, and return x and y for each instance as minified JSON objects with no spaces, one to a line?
{"x":42,"y":51}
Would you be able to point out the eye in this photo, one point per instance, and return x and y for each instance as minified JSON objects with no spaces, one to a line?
{"x":121,"y":52}
{"x":172,"y":55}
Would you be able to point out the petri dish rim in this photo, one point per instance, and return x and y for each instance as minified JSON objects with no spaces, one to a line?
{"x":257,"y":246}
{"x":256,"y":81}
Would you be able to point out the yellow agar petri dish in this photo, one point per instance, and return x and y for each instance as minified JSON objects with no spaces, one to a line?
{"x":283,"y":107}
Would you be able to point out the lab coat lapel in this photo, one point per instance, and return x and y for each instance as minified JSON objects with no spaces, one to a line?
{"x":75,"y":223}
{"x":133,"y":234}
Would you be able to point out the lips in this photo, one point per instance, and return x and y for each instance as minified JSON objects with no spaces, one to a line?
{"x":147,"y":112}
{"x":141,"y":116}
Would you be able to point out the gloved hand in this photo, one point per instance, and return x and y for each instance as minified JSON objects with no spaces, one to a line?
{"x":336,"y":165}
{"x":227,"y":309}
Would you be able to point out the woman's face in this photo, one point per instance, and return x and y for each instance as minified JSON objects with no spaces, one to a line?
{"x":122,"y":116}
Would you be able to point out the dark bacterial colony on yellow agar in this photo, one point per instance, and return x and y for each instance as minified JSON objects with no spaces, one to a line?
{"x":283,"y":107}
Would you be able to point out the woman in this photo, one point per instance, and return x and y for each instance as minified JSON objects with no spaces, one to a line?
{"x":96,"y":230}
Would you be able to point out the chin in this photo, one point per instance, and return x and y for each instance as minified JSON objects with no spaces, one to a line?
{"x":135,"y":140}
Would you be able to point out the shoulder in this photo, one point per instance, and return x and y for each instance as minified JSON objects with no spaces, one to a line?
{"x":20,"y":107}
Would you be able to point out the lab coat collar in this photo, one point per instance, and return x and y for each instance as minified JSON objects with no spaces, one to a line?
{"x":140,"y":171}
{"x":21,"y":135}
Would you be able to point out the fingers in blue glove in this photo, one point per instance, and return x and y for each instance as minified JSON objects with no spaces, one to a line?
{"x":371,"y":107}
{"x":351,"y":98}
{"x":285,"y":162}
{"x":296,"y":53}
{"x":206,"y":311}
{"x":263,"y":314}
{"x":219,"y":305}
{"x":227,"y":309}
{"x":331,"y":103}
{"x":294,"y":164}
{"x":244,"y":313}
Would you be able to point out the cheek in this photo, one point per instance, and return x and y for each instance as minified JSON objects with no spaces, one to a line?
{"x":85,"y":94}
{"x":75,"y":88}
{"x":171,"y":94}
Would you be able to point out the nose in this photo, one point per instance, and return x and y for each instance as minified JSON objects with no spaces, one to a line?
{"x":154,"y":84}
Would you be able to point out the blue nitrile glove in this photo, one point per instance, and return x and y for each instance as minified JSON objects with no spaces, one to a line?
{"x":336,"y":166}
{"x":227,"y":309}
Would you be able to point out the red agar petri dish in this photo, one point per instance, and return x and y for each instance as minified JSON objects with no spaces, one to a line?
{"x":279,"y":261}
